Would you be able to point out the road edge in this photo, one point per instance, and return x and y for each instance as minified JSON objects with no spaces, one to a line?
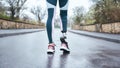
{"x":19,"y":33}
{"x":98,"y":37}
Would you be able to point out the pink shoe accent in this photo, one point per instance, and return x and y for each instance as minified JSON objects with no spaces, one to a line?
{"x":51,"y":46}
{"x":64,"y":45}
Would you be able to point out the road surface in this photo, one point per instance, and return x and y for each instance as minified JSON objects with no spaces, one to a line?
{"x":29,"y":51}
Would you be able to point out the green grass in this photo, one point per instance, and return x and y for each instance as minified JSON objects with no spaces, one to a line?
{"x":2,"y":16}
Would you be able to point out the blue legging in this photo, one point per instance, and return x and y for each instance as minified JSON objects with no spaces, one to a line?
{"x":51,"y":4}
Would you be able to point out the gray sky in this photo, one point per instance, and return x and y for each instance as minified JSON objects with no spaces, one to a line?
{"x":72,"y":4}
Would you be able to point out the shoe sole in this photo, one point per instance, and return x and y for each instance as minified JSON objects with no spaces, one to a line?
{"x":65,"y":51}
{"x":50,"y":52}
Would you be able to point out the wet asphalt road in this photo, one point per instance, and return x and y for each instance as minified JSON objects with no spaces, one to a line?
{"x":29,"y":51}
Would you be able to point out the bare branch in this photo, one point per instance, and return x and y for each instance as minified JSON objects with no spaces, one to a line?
{"x":15,"y":7}
{"x":39,"y":13}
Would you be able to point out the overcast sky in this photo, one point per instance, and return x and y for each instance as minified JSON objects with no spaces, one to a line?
{"x":72,"y":4}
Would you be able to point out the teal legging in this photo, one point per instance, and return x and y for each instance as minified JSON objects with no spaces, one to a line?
{"x":63,"y":4}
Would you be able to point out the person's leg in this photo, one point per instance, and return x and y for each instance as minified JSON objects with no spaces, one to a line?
{"x":63,"y":14}
{"x":51,"y":8}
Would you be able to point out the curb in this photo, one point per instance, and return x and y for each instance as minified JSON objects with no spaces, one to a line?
{"x":98,"y":37}
{"x":19,"y":33}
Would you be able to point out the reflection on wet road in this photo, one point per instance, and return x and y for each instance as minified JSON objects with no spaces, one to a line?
{"x":29,"y":51}
{"x":62,"y":62}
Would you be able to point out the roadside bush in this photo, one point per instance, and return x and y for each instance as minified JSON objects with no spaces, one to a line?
{"x":2,"y":16}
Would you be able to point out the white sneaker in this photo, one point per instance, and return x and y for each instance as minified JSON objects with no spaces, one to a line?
{"x":64,"y":47}
{"x":51,"y":48}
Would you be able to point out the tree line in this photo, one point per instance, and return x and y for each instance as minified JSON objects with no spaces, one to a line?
{"x":102,"y":11}
{"x":16,"y":10}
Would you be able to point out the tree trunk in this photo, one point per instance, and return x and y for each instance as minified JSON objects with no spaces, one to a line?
{"x":99,"y":27}
{"x":39,"y":19}
{"x":12,"y":12}
{"x":12,"y":15}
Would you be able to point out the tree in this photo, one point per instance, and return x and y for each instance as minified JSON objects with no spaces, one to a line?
{"x":2,"y":10}
{"x":20,"y":4}
{"x":106,"y":11}
{"x":89,"y":16}
{"x":39,"y":13}
{"x":78,"y":14}
{"x":15,"y":6}
{"x":25,"y":17}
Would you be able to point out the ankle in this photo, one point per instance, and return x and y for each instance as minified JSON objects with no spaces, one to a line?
{"x":64,"y":35}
